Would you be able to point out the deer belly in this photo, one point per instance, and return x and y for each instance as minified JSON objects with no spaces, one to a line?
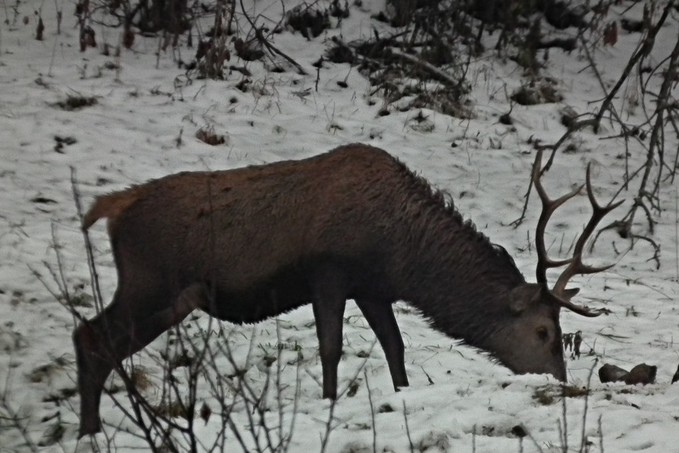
{"x":269,"y":297}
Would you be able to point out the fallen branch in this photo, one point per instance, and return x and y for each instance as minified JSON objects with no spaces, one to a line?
{"x":435,"y":72}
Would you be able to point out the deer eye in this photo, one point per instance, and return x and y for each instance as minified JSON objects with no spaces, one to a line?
{"x":543,"y":333}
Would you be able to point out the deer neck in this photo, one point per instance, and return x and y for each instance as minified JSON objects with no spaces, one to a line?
{"x":458,"y":279}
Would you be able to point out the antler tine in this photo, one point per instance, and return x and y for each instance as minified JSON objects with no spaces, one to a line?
{"x":576,"y":266}
{"x":590,"y":194}
{"x":583,"y":311}
{"x":548,"y":208}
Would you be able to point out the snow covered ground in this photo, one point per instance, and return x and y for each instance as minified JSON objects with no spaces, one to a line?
{"x":143,"y":126}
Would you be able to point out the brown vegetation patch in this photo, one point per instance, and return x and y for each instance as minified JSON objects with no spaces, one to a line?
{"x":208,"y":135}
{"x":76,"y":102}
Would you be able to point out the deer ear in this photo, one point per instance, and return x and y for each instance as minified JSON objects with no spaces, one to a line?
{"x":522,"y":297}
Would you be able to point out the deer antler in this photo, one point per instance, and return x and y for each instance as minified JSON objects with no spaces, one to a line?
{"x":574,"y":264}
{"x":548,"y":208}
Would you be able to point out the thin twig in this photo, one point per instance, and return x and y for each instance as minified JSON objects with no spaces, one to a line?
{"x":583,"y":434}
{"x":405,"y":417}
{"x":372,"y":411}
{"x":94,"y":277}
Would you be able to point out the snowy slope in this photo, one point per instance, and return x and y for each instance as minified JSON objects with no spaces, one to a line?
{"x":458,"y":399}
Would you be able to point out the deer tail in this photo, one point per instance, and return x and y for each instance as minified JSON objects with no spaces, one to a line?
{"x":110,"y":206}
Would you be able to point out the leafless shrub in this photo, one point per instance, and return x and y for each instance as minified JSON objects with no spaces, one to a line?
{"x":661,"y":113}
{"x":173,"y":16}
{"x":213,"y":51}
{"x":422,"y":79}
{"x":426,"y":61}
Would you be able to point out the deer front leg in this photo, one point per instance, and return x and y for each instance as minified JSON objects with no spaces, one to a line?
{"x":380,"y":317}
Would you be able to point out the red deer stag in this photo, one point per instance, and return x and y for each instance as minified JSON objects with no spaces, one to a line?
{"x":247,"y":244}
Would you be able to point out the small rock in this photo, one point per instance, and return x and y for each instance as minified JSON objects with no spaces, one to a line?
{"x":641,"y":374}
{"x":611,"y":373}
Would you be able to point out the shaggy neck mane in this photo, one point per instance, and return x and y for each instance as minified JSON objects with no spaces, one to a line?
{"x":454,"y":275}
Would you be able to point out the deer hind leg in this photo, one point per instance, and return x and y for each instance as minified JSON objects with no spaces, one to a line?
{"x":328,"y":304}
{"x":102,"y":343}
{"x":380,"y":317}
